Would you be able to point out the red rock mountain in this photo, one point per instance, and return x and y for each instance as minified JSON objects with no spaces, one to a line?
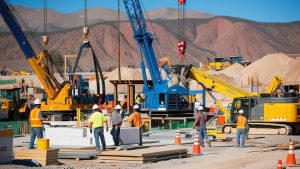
{"x":206,"y":37}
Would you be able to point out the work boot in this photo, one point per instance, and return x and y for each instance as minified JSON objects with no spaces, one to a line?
{"x":98,"y":152}
{"x":208,"y":143}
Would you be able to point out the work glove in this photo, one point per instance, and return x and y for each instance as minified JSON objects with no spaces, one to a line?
{"x":91,"y":131}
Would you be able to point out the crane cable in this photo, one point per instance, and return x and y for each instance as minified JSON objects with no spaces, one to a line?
{"x":181,"y":28}
{"x":45,"y":36}
{"x":85,"y":28}
{"x":156,"y":45}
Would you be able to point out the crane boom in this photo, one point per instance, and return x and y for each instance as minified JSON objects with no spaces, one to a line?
{"x":37,"y":63}
{"x":143,"y":38}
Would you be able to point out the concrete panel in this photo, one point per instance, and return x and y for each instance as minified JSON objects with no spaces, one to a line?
{"x":66,"y":131}
{"x":130,"y":135}
{"x":6,"y":144}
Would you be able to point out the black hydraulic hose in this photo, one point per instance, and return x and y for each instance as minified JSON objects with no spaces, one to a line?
{"x":96,"y":62}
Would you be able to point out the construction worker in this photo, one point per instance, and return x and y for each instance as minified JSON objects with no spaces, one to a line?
{"x":36,"y":121}
{"x":196,"y":106}
{"x":96,"y":122}
{"x":200,"y":125}
{"x":241,"y":127}
{"x":136,"y":120}
{"x":116,"y":121}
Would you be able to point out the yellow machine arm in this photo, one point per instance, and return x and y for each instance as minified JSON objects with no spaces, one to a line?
{"x":218,"y":85}
{"x":275,"y":84}
{"x":219,"y":104}
{"x":50,"y":84}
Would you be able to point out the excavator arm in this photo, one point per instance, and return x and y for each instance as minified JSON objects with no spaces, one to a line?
{"x":275,"y":84}
{"x":216,"y":84}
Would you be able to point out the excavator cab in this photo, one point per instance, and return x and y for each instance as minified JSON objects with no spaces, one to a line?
{"x":12,"y":107}
{"x":246,"y":104}
{"x":217,"y":63}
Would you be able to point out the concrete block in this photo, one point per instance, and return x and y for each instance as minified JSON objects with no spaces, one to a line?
{"x":66,"y":132}
{"x":6,"y":145}
{"x":130,"y":135}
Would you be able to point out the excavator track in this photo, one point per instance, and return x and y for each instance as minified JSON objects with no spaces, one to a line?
{"x":262,"y":128}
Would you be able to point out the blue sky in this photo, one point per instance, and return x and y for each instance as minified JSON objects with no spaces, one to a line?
{"x":258,"y":10}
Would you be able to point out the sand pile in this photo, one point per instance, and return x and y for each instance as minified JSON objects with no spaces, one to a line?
{"x":232,"y":70}
{"x":264,"y":69}
{"x":293,"y":75}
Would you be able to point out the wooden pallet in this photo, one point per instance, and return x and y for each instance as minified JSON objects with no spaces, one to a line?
{"x":152,"y":154}
{"x":44,"y":157}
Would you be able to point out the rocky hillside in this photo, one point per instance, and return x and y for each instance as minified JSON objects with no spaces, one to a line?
{"x":206,"y":37}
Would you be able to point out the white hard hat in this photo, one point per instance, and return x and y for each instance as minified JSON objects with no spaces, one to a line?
{"x":118,"y":107}
{"x":200,"y":108}
{"x":37,"y":101}
{"x":95,"y":107}
{"x":241,"y":111}
{"x":136,"y":106}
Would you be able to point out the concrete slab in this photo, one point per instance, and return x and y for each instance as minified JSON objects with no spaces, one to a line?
{"x":66,"y":136}
{"x":6,"y":144}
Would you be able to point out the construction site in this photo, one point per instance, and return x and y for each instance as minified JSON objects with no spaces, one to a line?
{"x":121,"y":86}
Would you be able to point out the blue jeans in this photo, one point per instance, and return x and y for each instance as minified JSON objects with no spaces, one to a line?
{"x":99,"y":132}
{"x":35,"y":132}
{"x":116,"y":135}
{"x":202,"y":134}
{"x":240,"y":137}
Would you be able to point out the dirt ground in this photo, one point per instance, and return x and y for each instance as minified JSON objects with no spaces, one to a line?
{"x":259,"y":153}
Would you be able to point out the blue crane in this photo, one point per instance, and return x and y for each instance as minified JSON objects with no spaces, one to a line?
{"x":163,"y":95}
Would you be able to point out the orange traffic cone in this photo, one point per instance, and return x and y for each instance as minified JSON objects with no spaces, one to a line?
{"x":177,"y":138}
{"x":279,"y":164}
{"x":196,"y":146}
{"x":291,"y":159}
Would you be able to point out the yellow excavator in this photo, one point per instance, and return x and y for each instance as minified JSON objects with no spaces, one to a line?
{"x":267,"y":113}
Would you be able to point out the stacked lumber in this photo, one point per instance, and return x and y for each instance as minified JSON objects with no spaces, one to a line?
{"x":152,"y":154}
{"x":44,"y":157}
{"x":77,"y":153}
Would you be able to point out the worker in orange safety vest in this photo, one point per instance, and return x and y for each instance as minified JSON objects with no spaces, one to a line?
{"x":36,"y":121}
{"x":136,"y":120}
{"x":241,"y":125}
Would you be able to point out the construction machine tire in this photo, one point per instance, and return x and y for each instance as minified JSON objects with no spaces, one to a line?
{"x":227,"y":129}
{"x":282,"y":131}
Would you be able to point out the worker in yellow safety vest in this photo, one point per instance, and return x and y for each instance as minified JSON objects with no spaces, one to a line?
{"x":36,"y":121}
{"x":241,"y":129}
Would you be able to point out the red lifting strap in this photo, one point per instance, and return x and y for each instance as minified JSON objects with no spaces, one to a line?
{"x":181,"y":2}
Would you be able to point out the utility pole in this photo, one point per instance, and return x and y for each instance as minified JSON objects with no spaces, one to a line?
{"x":119,"y":43}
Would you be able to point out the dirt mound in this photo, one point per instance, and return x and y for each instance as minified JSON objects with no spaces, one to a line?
{"x":232,"y":70}
{"x":293,"y":75}
{"x":264,"y":69}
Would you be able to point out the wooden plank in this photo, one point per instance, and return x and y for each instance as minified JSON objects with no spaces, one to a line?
{"x":165,"y":158}
{"x":121,"y":158}
{"x":153,"y":151}
{"x":116,"y":161}
{"x":139,"y":159}
{"x":44,"y":157}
